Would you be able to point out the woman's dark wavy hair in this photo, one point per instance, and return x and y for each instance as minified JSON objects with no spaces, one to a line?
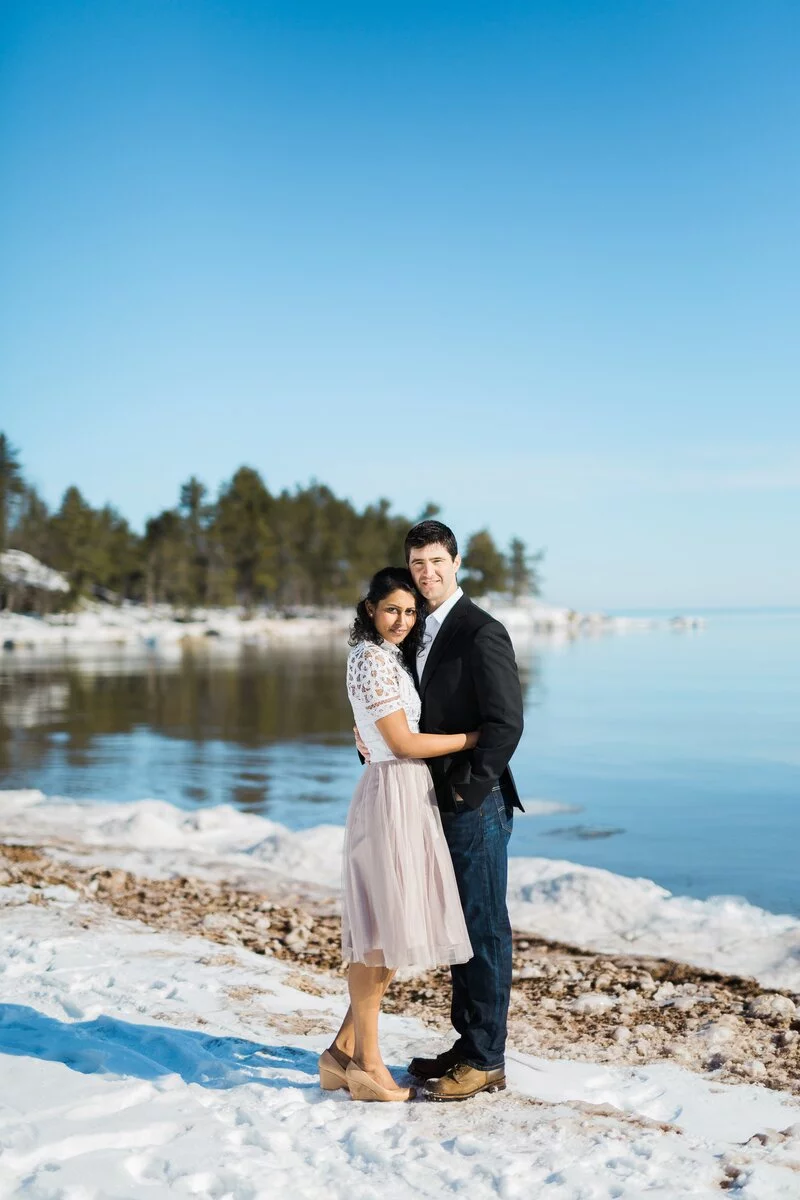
{"x":382,"y":584}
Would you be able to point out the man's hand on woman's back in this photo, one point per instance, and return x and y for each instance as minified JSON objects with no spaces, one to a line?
{"x":362,"y":749}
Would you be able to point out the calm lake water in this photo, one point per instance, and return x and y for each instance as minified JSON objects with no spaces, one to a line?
{"x":677,"y":754}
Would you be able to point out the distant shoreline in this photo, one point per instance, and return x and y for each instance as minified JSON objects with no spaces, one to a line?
{"x":97,"y":625}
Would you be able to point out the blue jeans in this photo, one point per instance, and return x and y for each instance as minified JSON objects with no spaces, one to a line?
{"x":478,"y":841}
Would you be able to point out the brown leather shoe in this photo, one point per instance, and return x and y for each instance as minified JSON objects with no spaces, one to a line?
{"x":463,"y":1081}
{"x":433,"y":1068}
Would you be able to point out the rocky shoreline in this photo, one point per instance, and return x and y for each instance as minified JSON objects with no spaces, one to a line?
{"x":566,"y":1002}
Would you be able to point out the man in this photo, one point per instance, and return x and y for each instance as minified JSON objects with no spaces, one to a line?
{"x":467,"y":679}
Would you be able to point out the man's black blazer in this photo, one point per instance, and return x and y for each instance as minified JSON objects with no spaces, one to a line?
{"x":470,"y":681}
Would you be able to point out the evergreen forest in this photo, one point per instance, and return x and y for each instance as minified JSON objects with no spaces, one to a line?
{"x":247,"y":546}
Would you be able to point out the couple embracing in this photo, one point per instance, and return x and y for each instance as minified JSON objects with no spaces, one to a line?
{"x":436,"y":698}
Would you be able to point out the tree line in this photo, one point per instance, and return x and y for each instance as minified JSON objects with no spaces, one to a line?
{"x":248,"y":546}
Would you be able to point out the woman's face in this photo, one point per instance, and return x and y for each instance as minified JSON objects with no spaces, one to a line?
{"x":394,"y":615}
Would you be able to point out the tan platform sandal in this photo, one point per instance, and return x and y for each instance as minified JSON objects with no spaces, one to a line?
{"x":332,"y":1074}
{"x":363,"y":1087}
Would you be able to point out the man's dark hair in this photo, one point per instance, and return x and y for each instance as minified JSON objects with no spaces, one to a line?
{"x":430,"y":533}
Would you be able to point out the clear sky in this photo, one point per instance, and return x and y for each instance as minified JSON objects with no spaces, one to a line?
{"x":539,"y":262}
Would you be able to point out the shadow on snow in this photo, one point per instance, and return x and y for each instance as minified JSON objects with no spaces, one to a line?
{"x":108,"y":1046}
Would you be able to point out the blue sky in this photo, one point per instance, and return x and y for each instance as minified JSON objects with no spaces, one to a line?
{"x":539,"y":262}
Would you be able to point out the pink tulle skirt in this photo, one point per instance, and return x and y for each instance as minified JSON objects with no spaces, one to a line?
{"x":400,"y":903}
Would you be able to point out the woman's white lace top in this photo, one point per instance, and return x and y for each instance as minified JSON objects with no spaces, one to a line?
{"x":379,"y":683}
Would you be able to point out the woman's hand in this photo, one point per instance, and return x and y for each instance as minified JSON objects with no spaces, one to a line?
{"x":472,"y":739}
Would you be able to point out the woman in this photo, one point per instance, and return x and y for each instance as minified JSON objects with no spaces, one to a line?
{"x":400,"y":905}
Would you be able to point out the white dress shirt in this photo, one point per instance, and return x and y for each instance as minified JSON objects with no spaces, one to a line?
{"x":433,"y":623}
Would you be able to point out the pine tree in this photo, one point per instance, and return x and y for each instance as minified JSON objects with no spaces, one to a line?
{"x":11,"y":486}
{"x":197,"y":516}
{"x":75,"y":550}
{"x":167,"y":567}
{"x":523,"y":575}
{"x":243,"y":527}
{"x":485,"y":565}
{"x":118,"y":566}
{"x":30,"y":528}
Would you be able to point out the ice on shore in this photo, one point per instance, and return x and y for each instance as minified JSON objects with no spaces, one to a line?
{"x":584,"y":906}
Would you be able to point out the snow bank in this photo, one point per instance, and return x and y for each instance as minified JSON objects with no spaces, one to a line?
{"x":595,"y":909}
{"x":585,"y":906}
{"x":158,"y":628}
{"x":137,"y":627}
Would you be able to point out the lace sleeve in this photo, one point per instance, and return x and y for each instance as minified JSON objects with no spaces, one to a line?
{"x":373,"y":681}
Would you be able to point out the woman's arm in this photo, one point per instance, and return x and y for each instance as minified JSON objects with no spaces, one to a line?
{"x":405,"y":744}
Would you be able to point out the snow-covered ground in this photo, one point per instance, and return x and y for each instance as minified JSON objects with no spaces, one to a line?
{"x":138,"y":1063}
{"x":144,"y":1064}
{"x":584,"y":906}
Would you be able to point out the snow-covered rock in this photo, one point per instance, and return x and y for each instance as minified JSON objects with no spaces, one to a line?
{"x":18,"y":567}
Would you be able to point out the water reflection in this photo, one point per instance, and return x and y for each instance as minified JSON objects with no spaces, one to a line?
{"x":268,"y":731}
{"x":680,"y":754}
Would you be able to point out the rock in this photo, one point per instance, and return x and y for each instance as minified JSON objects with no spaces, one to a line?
{"x":787,"y":1037}
{"x":295,"y":943}
{"x":547,"y":1004}
{"x":645,"y":1031}
{"x":216,"y":922}
{"x":621,"y":1034}
{"x":592,"y":1002}
{"x":530,"y":971}
{"x":770,"y":1006}
{"x":115,"y":881}
{"x":717,"y":1034}
{"x":678,"y":1050}
{"x":769,"y":1137}
{"x":753,"y":1069}
{"x":719,"y":1059}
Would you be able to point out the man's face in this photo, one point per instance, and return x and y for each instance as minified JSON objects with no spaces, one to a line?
{"x":434,"y":572}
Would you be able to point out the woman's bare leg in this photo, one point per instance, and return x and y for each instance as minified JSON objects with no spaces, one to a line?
{"x":367,"y":986}
{"x":344,"y":1044}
